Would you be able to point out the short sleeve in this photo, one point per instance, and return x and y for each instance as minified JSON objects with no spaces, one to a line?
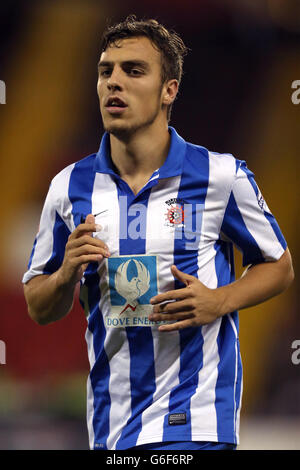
{"x":49,"y":245}
{"x":249,"y":223}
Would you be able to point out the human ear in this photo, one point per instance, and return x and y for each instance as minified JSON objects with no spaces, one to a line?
{"x":170,"y":91}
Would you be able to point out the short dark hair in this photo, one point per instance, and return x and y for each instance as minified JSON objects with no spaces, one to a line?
{"x":169,"y":43}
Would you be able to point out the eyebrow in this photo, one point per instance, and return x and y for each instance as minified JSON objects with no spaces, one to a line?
{"x":132,"y":63}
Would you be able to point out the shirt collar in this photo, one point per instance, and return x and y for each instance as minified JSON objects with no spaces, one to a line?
{"x":172,"y":166}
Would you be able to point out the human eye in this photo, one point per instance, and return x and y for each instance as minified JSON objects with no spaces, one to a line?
{"x":136,"y":71}
{"x":133,"y":70}
{"x":104,"y":73}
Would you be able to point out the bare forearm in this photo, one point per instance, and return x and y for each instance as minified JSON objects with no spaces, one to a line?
{"x":197,"y":305}
{"x":258,"y":284}
{"x":48,"y":299}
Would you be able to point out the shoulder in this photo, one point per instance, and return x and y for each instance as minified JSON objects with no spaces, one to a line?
{"x":61,"y":183}
{"x":222,"y":167}
{"x":61,"y":180}
{"x":226,"y":160}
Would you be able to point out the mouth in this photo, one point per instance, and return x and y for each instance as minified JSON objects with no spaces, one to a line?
{"x":115,"y":105}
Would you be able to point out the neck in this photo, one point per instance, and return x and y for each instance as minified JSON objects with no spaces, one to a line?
{"x":142,"y":152}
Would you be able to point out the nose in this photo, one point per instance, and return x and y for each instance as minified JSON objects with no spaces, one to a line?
{"x":115,"y":82}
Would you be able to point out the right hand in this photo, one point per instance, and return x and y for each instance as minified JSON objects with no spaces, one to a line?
{"x":81,"y":249}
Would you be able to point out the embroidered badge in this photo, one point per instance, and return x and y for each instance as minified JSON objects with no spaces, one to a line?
{"x":175,"y":213}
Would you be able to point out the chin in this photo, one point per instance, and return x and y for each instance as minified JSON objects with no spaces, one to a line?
{"x":119,"y":129}
{"x":122,"y":127}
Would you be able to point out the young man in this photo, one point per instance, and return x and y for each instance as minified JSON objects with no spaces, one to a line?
{"x":147,"y":225}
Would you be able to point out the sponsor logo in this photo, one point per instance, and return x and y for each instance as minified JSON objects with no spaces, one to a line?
{"x":132,"y":283}
{"x":98,"y":213}
{"x":136,"y":287}
{"x":83,"y":217}
{"x":261,"y":201}
{"x":177,"y":418}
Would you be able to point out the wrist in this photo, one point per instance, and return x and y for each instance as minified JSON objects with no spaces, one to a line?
{"x":62,"y":282}
{"x":224,"y":298}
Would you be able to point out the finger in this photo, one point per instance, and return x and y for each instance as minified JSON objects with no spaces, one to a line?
{"x":181,"y":276}
{"x":86,"y":240}
{"x":84,"y":266}
{"x":173,"y":307}
{"x":171,"y":316}
{"x":179,"y":325}
{"x":86,"y":259}
{"x":83,"y":229}
{"x":171,"y":295}
{"x":90,"y":219}
{"x":88,"y":250}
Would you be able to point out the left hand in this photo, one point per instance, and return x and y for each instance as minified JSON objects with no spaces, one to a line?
{"x":194,"y":305}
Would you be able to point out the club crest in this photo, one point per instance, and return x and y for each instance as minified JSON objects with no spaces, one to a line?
{"x":174,"y":217}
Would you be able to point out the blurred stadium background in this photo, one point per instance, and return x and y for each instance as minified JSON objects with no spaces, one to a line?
{"x":235,"y":97}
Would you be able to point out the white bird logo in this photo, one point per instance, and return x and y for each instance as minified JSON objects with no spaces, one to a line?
{"x":132,"y":290}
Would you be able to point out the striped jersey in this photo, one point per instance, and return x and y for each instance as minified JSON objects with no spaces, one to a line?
{"x":147,"y":385}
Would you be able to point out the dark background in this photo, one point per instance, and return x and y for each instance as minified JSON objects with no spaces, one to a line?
{"x":236,"y":97}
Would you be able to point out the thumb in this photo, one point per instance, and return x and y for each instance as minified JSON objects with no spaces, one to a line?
{"x":181,"y":276}
{"x":90,"y":219}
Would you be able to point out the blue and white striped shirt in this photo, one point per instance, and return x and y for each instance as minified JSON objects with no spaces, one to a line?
{"x":147,"y":385}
